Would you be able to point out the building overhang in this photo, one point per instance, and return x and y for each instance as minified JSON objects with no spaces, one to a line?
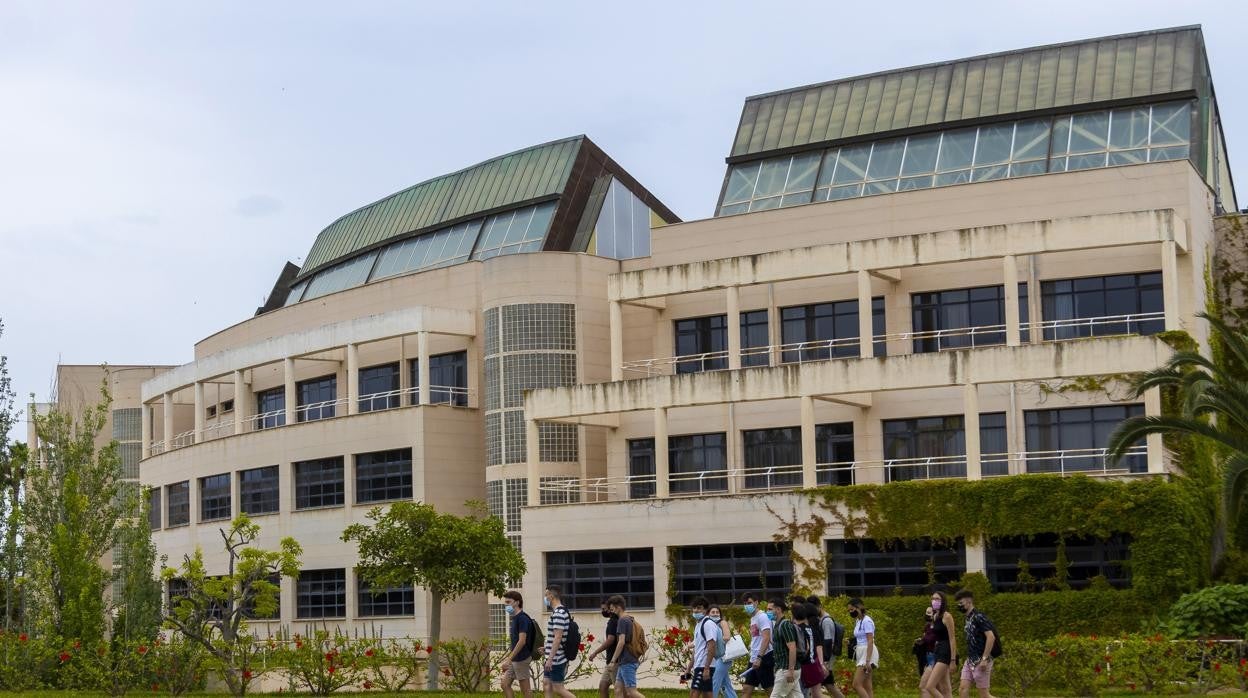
{"x":846,"y":377}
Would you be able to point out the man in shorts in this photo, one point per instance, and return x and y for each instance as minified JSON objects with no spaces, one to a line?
{"x":606,"y":684}
{"x":516,"y":662}
{"x":705,"y":639}
{"x":555,"y":670}
{"x":623,"y":662}
{"x":981,"y":637}
{"x":762,"y":671}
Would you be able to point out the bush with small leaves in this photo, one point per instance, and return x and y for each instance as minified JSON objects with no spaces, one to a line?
{"x":323,"y":663}
{"x":1029,"y":666}
{"x":391,"y":666}
{"x":178,"y":666}
{"x":466,"y":665}
{"x":27,"y":662}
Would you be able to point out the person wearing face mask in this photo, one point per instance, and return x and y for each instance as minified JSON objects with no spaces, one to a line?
{"x":607,"y":649}
{"x":981,"y":637}
{"x":722,"y":680}
{"x":936,"y":682}
{"x":555,"y":670}
{"x":867,"y":655}
{"x":762,"y":671}
{"x":515,"y":664}
{"x":701,"y":672}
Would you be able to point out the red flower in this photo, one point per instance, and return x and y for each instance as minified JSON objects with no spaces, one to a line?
{"x":1131,"y":686}
{"x":329,"y":656}
{"x":22,"y":637}
{"x":331,"y":670}
{"x":298,"y":645}
{"x":668,"y":641}
{"x":247,"y":674}
{"x":367,"y":684}
{"x":581,"y":647}
{"x":1097,"y":668}
{"x":1052,"y":653}
{"x":590,"y":637}
{"x":142,"y":649}
{"x":368,"y":653}
{"x":64,"y":657}
{"x":77,"y":644}
{"x":155,"y":687}
{"x":1107,"y":658}
{"x":1217,"y":666}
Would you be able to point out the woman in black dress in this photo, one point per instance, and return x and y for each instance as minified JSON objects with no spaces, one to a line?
{"x":936,"y":683}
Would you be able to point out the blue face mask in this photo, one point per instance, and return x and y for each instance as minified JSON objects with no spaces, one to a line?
{"x":771,"y":615}
{"x":750,"y":608}
{"x":547,"y":602}
{"x":698,"y":616}
{"x":511,"y":610}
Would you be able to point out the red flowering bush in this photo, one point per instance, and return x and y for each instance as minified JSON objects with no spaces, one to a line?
{"x":323,"y":663}
{"x":466,"y":664}
{"x":391,"y":665}
{"x":26,"y":663}
{"x":177,"y":666}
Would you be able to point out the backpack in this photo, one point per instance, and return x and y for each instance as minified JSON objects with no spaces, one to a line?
{"x":636,"y":644}
{"x":997,"y":650}
{"x":537,"y":643}
{"x":719,"y":636}
{"x":803,"y":652}
{"x":571,"y":638}
{"x":834,"y":641}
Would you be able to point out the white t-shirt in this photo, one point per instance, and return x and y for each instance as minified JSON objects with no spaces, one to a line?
{"x":758,"y":623}
{"x":706,"y":629}
{"x":862,"y":627}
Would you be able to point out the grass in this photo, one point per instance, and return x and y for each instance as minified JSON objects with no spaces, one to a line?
{"x":651,"y":693}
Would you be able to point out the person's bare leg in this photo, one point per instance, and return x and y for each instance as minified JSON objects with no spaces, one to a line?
{"x":562,"y":691}
{"x":924,"y":680}
{"x":506,"y":686}
{"x":526,"y":688}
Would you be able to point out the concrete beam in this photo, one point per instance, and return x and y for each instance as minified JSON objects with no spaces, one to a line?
{"x":939,"y":247}
{"x":840,"y":377}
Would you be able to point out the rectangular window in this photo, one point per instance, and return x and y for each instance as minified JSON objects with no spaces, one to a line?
{"x":448,"y":378}
{"x":1086,"y":557}
{"x":704,"y":341}
{"x":723,"y":573}
{"x":319,"y":483}
{"x":153,"y":508}
{"x":210,"y":411}
{"x":935,"y":447}
{"x":697,"y":463}
{"x":589,"y":576}
{"x":249,"y":610}
{"x":214,"y":497}
{"x":773,"y":457}
{"x":321,"y":594}
{"x":176,"y":589}
{"x":383,"y":476}
{"x":641,"y":468}
{"x":1099,"y":306}
{"x":834,"y":446}
{"x":379,"y":388}
{"x":967,"y":317}
{"x":1073,"y":439}
{"x":316,"y":398}
{"x":863,"y":567}
{"x":227,"y":406}
{"x":178,"y":501}
{"x":258,"y":490}
{"x":271,"y":408}
{"x":389,"y":601}
{"x":827,"y":330}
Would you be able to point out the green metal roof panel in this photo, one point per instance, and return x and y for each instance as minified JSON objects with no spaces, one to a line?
{"x":1129,"y":66}
{"x":521,"y":176}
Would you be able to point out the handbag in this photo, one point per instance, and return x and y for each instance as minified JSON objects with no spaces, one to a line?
{"x":813,"y":674}
{"x":735,"y":649}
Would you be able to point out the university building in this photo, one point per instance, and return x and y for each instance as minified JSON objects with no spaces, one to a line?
{"x":906,"y":275}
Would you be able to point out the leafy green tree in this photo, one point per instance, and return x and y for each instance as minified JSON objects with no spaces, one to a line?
{"x":13,"y":457}
{"x":446,"y":554}
{"x":1212,"y":409}
{"x":139,"y":598}
{"x":213,"y":610}
{"x":72,"y":512}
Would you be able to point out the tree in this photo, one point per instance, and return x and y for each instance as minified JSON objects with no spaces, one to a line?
{"x":72,"y":512}
{"x":139,"y":594}
{"x":1213,"y":409}
{"x":13,"y":458}
{"x":213,"y":610}
{"x":446,"y":554}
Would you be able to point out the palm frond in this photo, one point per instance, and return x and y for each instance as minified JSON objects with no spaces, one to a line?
{"x":1136,"y":428}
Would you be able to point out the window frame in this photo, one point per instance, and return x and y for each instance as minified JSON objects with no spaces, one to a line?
{"x":259,"y":491}
{"x":747,"y":567}
{"x":212,"y":496}
{"x":304,"y":490}
{"x":305,"y":593}
{"x":589,"y":576}
{"x":871,"y":558}
{"x":399,"y":461}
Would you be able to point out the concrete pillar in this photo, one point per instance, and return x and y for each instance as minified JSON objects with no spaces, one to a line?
{"x":292,"y":395}
{"x":1170,"y":283}
{"x":661,"y":575}
{"x":199,"y":412}
{"x":661,"y":487}
{"x":976,"y":559}
{"x":1015,"y":435}
{"x":422,"y":365}
{"x":617,"y":341}
{"x":168,"y":421}
{"x":532,"y":459}
{"x":774,"y":333}
{"x":1013,"y":335}
{"x":475,"y":366}
{"x":405,"y":376}
{"x":1153,"y":442}
{"x":865,"y":326}
{"x":145,"y":427}
{"x":734,"y":327}
{"x":970,"y":421}
{"x":736,"y":461}
{"x":353,"y":379}
{"x":810,"y":457}
{"x":241,"y":398}
{"x":1034,"y":307}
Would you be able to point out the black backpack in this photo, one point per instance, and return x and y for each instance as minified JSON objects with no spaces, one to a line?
{"x":572,"y":639}
{"x":835,"y":646}
{"x":997,"y":650}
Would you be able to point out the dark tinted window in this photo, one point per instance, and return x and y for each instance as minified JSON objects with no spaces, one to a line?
{"x":723,"y":573}
{"x":383,"y":475}
{"x":864,"y":567}
{"x":321,"y":594}
{"x":258,"y":490}
{"x":768,"y":452}
{"x":698,"y":336}
{"x":379,"y":386}
{"x":827,"y":330}
{"x":1069,"y":439}
{"x":270,"y":408}
{"x":389,"y":601}
{"x":318,"y":483}
{"x":964,"y":309}
{"x":178,"y":501}
{"x":1086,"y":557}
{"x":697,"y":463}
{"x":1102,"y":297}
{"x":448,"y":378}
{"x":214,"y":497}
{"x":641,"y":466}
{"x":943,"y":441}
{"x":834,"y":444}
{"x":589,"y":576}
{"x":316,"y":398}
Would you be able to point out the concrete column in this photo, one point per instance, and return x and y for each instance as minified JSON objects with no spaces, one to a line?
{"x":661,"y":488}
{"x":405,"y":375}
{"x":1013,"y":336}
{"x":1015,"y":435}
{"x":617,"y":341}
{"x":241,"y":395}
{"x":736,"y":461}
{"x":292,"y":395}
{"x":865,"y":326}
{"x":661,"y":574}
{"x":970,"y":421}
{"x":199,"y":411}
{"x":1034,"y":307}
{"x":810,"y":477}
{"x":353,"y":379}
{"x":532,"y":458}
{"x":168,"y":421}
{"x":422,"y":364}
{"x":976,"y":559}
{"x":734,"y":327}
{"x":475,"y":367}
{"x":774,"y":334}
{"x":146,"y":430}
{"x":1170,"y":283}
{"x":1153,"y":442}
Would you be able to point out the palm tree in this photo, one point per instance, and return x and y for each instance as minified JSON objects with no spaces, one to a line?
{"x":1213,"y":407}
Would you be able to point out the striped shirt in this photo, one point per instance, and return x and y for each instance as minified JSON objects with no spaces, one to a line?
{"x":559,"y":620}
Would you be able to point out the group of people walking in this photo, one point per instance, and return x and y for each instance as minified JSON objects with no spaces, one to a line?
{"x":793,"y":647}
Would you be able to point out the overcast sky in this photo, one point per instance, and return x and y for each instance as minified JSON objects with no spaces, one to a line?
{"x":159,"y":161}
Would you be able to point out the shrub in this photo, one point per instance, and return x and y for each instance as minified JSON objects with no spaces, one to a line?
{"x":391,"y":665}
{"x":114,"y":668}
{"x":1220,"y":611}
{"x":322,"y":663}
{"x":466,"y":664}
{"x":1029,"y":666}
{"x":177,"y":666}
{"x":27,"y":662}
